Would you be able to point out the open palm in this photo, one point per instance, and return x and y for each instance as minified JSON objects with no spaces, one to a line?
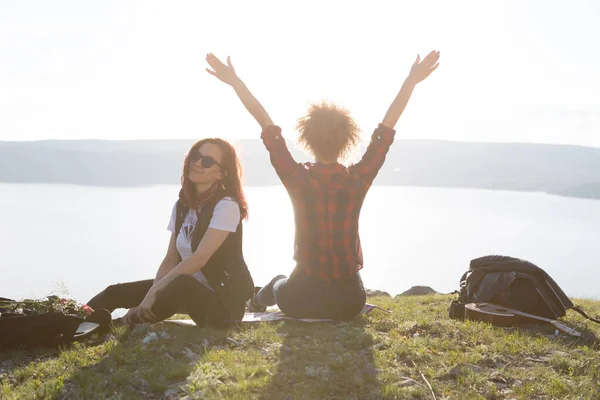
{"x":225,"y":73}
{"x":422,"y":69}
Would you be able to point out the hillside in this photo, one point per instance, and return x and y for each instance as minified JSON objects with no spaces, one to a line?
{"x":559,"y":169}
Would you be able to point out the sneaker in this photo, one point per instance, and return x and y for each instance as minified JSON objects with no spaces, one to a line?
{"x":252,"y":306}
{"x":101,"y":317}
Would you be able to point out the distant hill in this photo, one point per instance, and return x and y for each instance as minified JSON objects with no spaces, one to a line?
{"x":559,"y":169}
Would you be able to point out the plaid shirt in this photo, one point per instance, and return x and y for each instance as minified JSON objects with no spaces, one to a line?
{"x":327,"y":200}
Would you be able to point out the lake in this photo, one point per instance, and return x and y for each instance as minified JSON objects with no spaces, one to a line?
{"x":89,"y":237}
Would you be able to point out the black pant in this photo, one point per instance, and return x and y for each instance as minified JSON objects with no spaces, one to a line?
{"x":300,"y":296}
{"x":184,"y":295}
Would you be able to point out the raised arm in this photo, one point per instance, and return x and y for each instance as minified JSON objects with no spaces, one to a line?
{"x":281,"y":158}
{"x":382,"y":138}
{"x":419,"y":71}
{"x":227,"y":74}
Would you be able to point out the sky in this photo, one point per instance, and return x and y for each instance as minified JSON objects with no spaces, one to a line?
{"x":516,"y":71}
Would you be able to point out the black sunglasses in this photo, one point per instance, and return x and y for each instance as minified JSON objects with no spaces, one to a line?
{"x":207,"y":161}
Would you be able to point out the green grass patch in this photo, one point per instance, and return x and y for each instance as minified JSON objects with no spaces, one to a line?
{"x":377,"y":356}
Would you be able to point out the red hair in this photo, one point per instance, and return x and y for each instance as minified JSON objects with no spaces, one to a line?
{"x":231,"y":169}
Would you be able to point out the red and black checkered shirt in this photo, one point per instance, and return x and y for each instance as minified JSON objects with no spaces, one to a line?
{"x":327,"y":200}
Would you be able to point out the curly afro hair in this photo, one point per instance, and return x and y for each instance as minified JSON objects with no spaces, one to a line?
{"x":328,"y":132}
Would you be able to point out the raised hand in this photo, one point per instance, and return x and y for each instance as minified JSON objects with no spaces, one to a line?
{"x":422,"y":69}
{"x":225,"y":73}
{"x":419,"y":71}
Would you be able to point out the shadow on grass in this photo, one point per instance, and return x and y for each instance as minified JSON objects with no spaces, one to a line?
{"x":318,"y":360}
{"x":324,"y":361}
{"x":285,"y":360}
{"x":148,"y":362}
{"x":14,"y":359}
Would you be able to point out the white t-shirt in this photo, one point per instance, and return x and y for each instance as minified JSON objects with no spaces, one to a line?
{"x":226,"y":217}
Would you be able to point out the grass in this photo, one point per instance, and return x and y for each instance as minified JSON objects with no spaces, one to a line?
{"x":377,"y":356}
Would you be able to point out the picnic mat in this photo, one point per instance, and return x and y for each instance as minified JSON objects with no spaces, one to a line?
{"x":274,"y":314}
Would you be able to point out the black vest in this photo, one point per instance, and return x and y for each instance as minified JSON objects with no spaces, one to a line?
{"x":226,"y":271}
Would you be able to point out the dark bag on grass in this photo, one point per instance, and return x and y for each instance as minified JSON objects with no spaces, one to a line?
{"x":52,"y":329}
{"x":26,"y":331}
{"x":512,"y":283}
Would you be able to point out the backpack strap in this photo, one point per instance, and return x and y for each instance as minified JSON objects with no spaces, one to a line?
{"x":580,"y":311}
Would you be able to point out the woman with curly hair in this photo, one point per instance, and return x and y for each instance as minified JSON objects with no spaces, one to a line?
{"x":203,"y":273}
{"x":326,"y":196}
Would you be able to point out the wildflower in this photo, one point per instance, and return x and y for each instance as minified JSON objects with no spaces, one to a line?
{"x":87,"y":309}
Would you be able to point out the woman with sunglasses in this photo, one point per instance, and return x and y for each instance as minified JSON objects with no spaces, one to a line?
{"x":203,"y":273}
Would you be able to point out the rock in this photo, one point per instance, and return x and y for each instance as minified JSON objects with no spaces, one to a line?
{"x":461,"y":370}
{"x":7,"y":366}
{"x":143,"y":384}
{"x":190,"y":354}
{"x":164,"y":335}
{"x":205,"y":343}
{"x":375,"y":292}
{"x":233,"y":342}
{"x":174,"y":391}
{"x":405,"y":381}
{"x":317,"y":372}
{"x":336,"y":358}
{"x":108,"y":337}
{"x":418,"y":291}
{"x":371,"y":371}
{"x":150,"y":337}
{"x":537,"y":359}
{"x":381,"y":346}
{"x":264,"y":352}
{"x":140,"y":329}
{"x":68,"y":391}
{"x":496,"y":376}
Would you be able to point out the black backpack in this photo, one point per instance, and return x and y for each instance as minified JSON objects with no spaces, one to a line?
{"x":512,"y":283}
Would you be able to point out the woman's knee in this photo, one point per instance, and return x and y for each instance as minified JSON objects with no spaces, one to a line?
{"x":106,"y":298}
{"x":111,"y":290}
{"x":121,"y":295}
